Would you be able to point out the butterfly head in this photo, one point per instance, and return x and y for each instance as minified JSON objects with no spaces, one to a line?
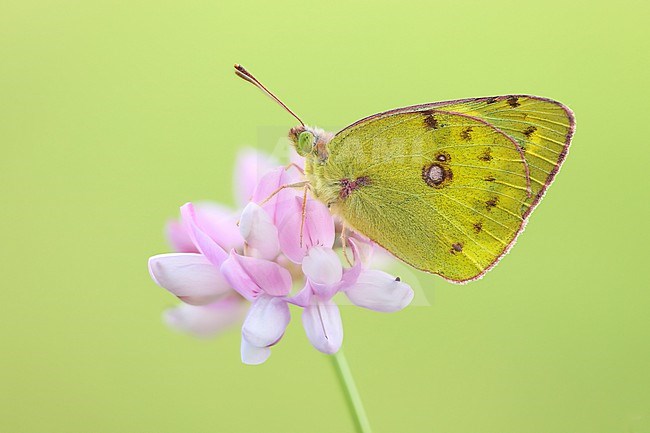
{"x":310,"y":141}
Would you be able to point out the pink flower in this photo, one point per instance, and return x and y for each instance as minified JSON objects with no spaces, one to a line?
{"x":188,"y":276}
{"x":262,"y":281}
{"x":194,"y":277}
{"x":219,"y":222}
{"x":322,"y":268}
{"x":325,"y":277}
{"x":276,"y":205}
{"x":317,"y":228}
{"x":210,"y":305}
{"x":321,"y":317}
{"x":281,"y":240}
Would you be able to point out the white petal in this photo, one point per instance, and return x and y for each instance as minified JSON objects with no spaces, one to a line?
{"x":380,"y":291}
{"x":258,"y":231}
{"x":323,"y":326}
{"x":267,"y":320}
{"x":322,"y":266}
{"x":189,"y":276}
{"x":253,"y":355}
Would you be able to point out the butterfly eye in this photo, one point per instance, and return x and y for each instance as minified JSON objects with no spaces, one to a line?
{"x":305,"y":143}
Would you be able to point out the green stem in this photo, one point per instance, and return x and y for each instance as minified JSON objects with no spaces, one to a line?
{"x":351,"y":392}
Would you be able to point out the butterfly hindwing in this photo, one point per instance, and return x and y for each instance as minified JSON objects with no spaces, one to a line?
{"x":442,"y":191}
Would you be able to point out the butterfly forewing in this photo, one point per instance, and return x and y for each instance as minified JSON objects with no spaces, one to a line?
{"x":442,"y":191}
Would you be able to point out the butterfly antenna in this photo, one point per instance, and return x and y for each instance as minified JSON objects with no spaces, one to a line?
{"x":242,"y":73}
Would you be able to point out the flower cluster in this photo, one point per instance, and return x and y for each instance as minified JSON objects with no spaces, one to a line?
{"x":225,"y":261}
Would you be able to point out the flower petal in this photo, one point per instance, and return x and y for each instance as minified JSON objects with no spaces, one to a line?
{"x":220,"y":223}
{"x":267,"y":275}
{"x":259,"y":233}
{"x":303,"y":298}
{"x":239,"y":279}
{"x":251,"y":276}
{"x":178,"y":238}
{"x":189,"y":276}
{"x":266,"y":321}
{"x":325,"y":275}
{"x":364,"y":247}
{"x":350,"y":276}
{"x":317,"y":230}
{"x":250,"y":166}
{"x":322,"y":323}
{"x":207,"y":320}
{"x":322,"y":265}
{"x":380,"y":291}
{"x":203,"y":242}
{"x":253,"y":355}
{"x":276,"y":206}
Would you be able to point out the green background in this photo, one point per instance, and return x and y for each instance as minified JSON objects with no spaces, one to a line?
{"x":114,"y":113}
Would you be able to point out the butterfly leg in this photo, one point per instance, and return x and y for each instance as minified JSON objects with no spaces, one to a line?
{"x":296,"y":166}
{"x":344,"y":243}
{"x":304,"y":212}
{"x":289,"y":185}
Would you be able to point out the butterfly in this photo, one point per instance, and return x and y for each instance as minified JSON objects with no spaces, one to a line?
{"x":446,"y":187}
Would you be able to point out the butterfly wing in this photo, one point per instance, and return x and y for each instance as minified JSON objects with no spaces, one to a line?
{"x":543,"y":128}
{"x":445,"y":191}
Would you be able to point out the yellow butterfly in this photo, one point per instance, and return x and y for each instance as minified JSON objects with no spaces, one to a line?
{"x":448,"y":186}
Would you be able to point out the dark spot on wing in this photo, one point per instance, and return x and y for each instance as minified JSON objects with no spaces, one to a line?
{"x":489,"y":179}
{"x":433,"y":175}
{"x":436,"y":175}
{"x":349,"y":186}
{"x":486,"y":156}
{"x":456,"y":248}
{"x":478,"y":226}
{"x":529,"y":131}
{"x":491,"y":99}
{"x":465,"y":133}
{"x":429,"y":120}
{"x":443,"y":157}
{"x":513,"y":101}
{"x":491,"y":203}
